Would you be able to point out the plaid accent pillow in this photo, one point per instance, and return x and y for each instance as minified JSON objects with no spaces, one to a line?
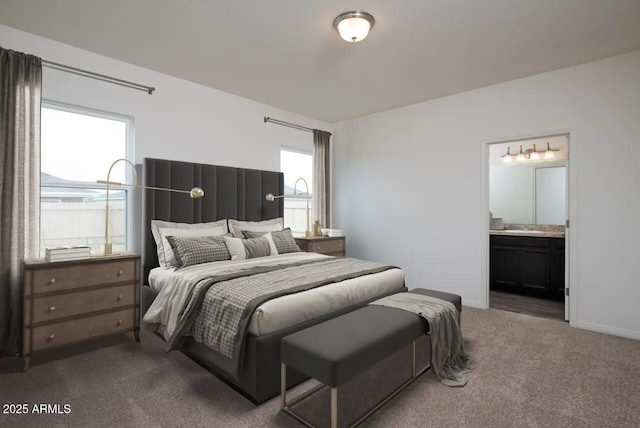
{"x":283,"y":239}
{"x":201,"y":249}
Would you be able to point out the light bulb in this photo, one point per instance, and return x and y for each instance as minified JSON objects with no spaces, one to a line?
{"x":507,"y":158}
{"x":534,"y":154}
{"x":549,"y":153}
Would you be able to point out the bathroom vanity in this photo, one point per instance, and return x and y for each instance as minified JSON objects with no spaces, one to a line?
{"x":528,"y":262}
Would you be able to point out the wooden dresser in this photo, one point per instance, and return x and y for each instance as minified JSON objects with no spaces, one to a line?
{"x":72,"y":301}
{"x":332,"y":246}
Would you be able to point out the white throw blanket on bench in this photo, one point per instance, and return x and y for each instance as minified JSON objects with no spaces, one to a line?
{"x":448,"y":359}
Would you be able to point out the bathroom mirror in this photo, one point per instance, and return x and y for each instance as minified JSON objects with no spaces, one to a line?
{"x":550,"y":194}
{"x":529,"y":191}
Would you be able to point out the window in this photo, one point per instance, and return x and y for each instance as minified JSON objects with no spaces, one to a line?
{"x":296,"y":164}
{"x":77,"y":148}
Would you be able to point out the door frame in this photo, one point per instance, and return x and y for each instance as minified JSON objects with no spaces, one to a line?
{"x":571,"y":233}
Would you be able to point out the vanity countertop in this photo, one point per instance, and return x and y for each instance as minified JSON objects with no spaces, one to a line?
{"x":528,"y":233}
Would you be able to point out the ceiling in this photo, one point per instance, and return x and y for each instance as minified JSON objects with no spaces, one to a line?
{"x":285,"y":53}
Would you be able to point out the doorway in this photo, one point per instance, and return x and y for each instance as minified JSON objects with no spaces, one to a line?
{"x":527,"y":197}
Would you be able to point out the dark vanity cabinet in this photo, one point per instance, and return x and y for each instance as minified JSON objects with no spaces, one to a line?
{"x":532,"y":266}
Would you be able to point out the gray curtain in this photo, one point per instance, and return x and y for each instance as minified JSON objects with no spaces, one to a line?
{"x":321,"y":177}
{"x":20,"y":96}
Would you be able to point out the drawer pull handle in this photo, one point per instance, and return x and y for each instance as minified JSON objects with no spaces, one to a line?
{"x":51,"y":281}
{"x":120,"y":296}
{"x":317,"y":248}
{"x":119,"y":322}
{"x":339,"y":245}
{"x":52,"y":336}
{"x":120,"y":273}
{"x":52,"y":308}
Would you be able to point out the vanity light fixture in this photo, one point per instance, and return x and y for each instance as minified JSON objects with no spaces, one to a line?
{"x":354,"y":26}
{"x":507,"y":158}
{"x":529,"y":154}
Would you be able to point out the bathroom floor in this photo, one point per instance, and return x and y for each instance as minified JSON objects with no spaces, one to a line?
{"x":526,"y":305}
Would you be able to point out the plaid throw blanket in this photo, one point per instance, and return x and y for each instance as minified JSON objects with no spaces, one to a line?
{"x":219,"y":309}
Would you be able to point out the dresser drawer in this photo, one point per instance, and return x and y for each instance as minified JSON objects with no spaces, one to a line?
{"x":327,"y":247}
{"x":83,"y":275}
{"x":47,"y":308}
{"x":49,"y":336}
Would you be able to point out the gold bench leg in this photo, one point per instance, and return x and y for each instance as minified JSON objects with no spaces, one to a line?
{"x":287,"y":406}
{"x":283,"y":385}
{"x":413,"y":359}
{"x":334,"y":407}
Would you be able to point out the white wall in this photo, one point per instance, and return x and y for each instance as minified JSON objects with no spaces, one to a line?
{"x":181,"y":121}
{"x":409,"y":183}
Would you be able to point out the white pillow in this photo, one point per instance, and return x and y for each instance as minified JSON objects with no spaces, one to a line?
{"x":237,"y":249}
{"x":170,"y":259}
{"x":236,"y":227}
{"x":156,"y":225}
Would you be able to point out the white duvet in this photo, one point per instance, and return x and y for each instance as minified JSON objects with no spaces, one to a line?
{"x":276,"y":314}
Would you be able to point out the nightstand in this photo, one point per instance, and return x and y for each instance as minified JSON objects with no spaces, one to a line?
{"x":72,"y":301}
{"x":332,"y":246}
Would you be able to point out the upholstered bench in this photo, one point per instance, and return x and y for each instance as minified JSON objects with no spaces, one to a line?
{"x":337,"y":350}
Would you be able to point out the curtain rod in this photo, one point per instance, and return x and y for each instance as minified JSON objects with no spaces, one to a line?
{"x":288,"y":124}
{"x":97,"y":76}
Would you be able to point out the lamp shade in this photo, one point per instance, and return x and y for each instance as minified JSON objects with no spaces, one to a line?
{"x":353,"y":26}
{"x":548,"y":154}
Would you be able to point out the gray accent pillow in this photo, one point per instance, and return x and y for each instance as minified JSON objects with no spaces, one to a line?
{"x":238,"y":249}
{"x":283,"y":239}
{"x":191,"y":251}
{"x":257,"y":247}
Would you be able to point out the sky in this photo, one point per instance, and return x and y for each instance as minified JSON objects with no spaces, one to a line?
{"x":295,"y":165}
{"x":81,"y":148}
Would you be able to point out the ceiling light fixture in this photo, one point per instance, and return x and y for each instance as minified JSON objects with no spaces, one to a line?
{"x":354,"y":26}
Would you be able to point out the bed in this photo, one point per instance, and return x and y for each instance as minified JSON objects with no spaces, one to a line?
{"x":235,"y":193}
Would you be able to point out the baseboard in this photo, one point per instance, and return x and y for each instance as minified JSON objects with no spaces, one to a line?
{"x":474,"y":304}
{"x":631,"y":334}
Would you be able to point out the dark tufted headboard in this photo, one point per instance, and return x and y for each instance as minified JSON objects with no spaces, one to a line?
{"x":229,"y":192}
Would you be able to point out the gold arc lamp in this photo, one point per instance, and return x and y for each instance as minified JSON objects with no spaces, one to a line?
{"x":271,"y":197}
{"x":107,"y":247}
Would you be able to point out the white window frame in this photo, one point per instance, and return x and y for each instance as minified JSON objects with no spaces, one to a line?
{"x":129,"y":155}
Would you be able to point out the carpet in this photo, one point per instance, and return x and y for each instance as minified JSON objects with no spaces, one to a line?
{"x":529,"y":372}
